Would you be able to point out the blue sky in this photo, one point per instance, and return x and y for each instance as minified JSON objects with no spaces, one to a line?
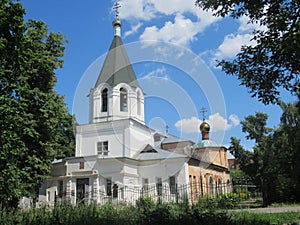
{"x":172,"y":45}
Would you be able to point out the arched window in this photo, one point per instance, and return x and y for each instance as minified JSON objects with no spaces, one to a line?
{"x":139,"y":103}
{"x":104,"y":100}
{"x":123,"y":100}
{"x":220,"y":191}
{"x":228,"y":186}
{"x":211,"y":186}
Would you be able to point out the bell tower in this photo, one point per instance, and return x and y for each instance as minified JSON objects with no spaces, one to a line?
{"x":117,"y":93}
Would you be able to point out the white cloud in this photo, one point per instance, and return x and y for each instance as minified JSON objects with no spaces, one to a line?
{"x":232,"y":45}
{"x":146,"y":10}
{"x":234,"y":120}
{"x":157,"y":73}
{"x":169,"y":7}
{"x":134,"y":30}
{"x":183,"y":29}
{"x":206,"y":18}
{"x":189,"y":125}
{"x":172,"y":7}
{"x":245,"y":26}
{"x":181,"y":32}
{"x":217,"y":123}
{"x":233,"y":42}
{"x":136,"y":10}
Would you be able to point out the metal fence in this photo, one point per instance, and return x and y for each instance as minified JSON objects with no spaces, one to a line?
{"x":190,"y":193}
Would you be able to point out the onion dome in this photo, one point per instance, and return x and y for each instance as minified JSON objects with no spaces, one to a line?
{"x":205,"y":128}
{"x":117,"y":22}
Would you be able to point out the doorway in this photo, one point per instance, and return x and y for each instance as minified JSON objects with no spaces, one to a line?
{"x":82,"y":186}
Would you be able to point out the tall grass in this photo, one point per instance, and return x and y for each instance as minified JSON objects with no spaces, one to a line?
{"x":146,"y":211}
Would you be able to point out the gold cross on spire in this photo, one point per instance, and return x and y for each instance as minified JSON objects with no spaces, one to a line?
{"x":203,"y":111}
{"x":116,"y":8}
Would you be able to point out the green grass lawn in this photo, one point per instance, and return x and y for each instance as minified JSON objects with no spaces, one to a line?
{"x":273,"y":218}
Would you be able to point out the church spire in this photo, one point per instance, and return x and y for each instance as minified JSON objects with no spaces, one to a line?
{"x":117,"y":23}
{"x":117,"y":67}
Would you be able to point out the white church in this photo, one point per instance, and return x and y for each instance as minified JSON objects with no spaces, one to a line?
{"x":117,"y":156}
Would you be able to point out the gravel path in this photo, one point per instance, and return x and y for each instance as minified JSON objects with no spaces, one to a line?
{"x":270,"y":210}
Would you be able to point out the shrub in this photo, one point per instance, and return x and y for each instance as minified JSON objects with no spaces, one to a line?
{"x":228,"y":201}
{"x":207,"y":203}
{"x":242,"y":192}
{"x":225,"y":201}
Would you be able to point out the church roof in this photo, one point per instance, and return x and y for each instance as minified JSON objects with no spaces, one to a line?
{"x":117,"y":67}
{"x":173,"y":139}
{"x":151,"y":153}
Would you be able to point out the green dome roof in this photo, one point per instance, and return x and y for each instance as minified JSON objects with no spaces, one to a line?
{"x":206,"y":143}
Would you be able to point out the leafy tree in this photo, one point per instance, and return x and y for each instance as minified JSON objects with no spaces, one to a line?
{"x":239,"y":177}
{"x":245,"y":158}
{"x":273,"y":63}
{"x":274,"y":162}
{"x":35,"y":124}
{"x":290,"y":131}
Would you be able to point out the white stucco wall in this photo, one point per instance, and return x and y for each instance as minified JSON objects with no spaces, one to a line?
{"x":138,"y":139}
{"x":165,"y":169}
{"x":88,"y":135}
{"x":125,"y":138}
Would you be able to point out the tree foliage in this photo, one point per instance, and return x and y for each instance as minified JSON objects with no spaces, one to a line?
{"x":273,"y":63}
{"x":35,"y":124}
{"x":239,"y":177}
{"x":274,"y":163}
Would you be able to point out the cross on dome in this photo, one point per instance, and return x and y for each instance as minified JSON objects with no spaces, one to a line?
{"x":117,"y":23}
{"x":203,"y":111}
{"x":204,"y":126}
{"x":116,"y":8}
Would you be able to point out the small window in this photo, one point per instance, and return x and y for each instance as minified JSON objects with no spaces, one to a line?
{"x":195,"y":184}
{"x":81,"y":165}
{"x":139,"y":103}
{"x":115,"y":190}
{"x":148,"y":149}
{"x":123,"y":100}
{"x":104,"y":100}
{"x":60,"y":188}
{"x":102,"y":148}
{"x":108,"y":187}
{"x":145,"y":182}
{"x":157,"y":137}
{"x":228,"y":182}
{"x":172,"y":184}
{"x":159,"y":186}
{"x":145,"y":187}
